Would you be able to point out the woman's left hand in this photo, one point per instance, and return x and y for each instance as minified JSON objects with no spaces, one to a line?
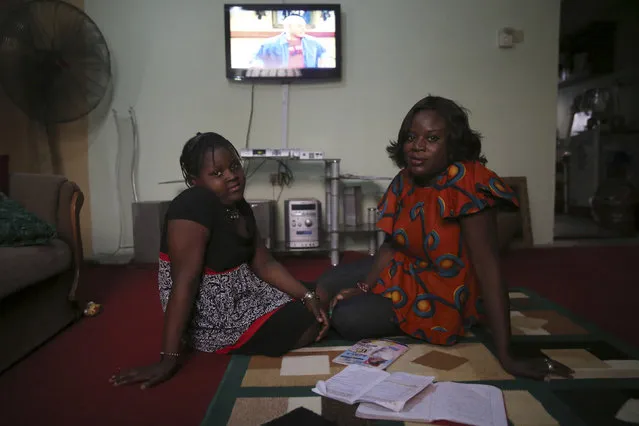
{"x":537,"y":368}
{"x":315,"y":306}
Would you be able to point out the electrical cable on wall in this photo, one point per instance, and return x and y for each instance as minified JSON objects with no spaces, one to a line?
{"x":250,"y":174}
{"x":247,"y":166}
{"x":250,"y":120}
{"x":284,"y":130}
{"x":285,"y":178}
{"x":285,"y":174}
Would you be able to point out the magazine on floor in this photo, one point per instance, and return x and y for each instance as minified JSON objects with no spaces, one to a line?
{"x":376,"y":353}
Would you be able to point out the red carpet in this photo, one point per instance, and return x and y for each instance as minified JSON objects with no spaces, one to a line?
{"x":65,"y":382}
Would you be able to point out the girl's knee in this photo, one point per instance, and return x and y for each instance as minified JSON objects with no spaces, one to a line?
{"x":368,"y":317}
{"x":348,"y":326}
{"x":309,"y":335}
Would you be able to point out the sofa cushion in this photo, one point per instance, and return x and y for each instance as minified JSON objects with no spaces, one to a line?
{"x":21,"y":267}
{"x":19,"y":227}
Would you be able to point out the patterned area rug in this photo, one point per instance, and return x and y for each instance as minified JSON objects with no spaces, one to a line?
{"x":605,"y":390}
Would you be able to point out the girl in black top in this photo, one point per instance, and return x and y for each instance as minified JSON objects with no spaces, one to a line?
{"x":219,"y":286}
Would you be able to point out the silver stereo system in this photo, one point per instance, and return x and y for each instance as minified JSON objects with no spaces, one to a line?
{"x":265,"y":213}
{"x":302,"y":221}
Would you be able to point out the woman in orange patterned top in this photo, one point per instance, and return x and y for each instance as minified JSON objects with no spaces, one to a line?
{"x":441,"y":246}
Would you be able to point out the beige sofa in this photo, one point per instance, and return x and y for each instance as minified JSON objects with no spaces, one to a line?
{"x":38,"y":283}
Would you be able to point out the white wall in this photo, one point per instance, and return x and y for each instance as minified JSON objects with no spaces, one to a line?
{"x":169,"y":64}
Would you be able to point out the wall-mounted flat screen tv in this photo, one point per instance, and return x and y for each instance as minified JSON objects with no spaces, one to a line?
{"x":283,"y":42}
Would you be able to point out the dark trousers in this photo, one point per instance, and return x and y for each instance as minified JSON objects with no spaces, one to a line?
{"x":363,"y":316}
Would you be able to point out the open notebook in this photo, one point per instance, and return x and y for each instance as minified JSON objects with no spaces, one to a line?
{"x":469,"y":404}
{"x":366,"y":384}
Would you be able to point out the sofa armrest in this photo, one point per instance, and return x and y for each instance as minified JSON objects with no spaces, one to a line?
{"x":56,"y":200}
{"x":71,"y":200}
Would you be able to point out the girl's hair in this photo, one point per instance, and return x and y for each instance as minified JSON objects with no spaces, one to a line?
{"x":463,"y":143}
{"x":195,"y":150}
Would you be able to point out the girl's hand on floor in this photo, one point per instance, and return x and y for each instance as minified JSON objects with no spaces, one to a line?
{"x":538,"y":368}
{"x":315,"y":306}
{"x":149,"y":375}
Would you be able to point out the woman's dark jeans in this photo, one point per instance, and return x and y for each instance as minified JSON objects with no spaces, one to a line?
{"x":363,"y":316}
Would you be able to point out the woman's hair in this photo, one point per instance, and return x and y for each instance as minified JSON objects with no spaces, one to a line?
{"x":195,"y":150}
{"x":463,"y":143}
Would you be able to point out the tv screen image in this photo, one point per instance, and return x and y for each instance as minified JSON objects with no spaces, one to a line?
{"x":282,"y":41}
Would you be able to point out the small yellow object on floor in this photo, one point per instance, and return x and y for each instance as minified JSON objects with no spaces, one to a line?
{"x":92,"y":309}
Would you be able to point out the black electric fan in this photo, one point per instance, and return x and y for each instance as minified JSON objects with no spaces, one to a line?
{"x":54,"y":61}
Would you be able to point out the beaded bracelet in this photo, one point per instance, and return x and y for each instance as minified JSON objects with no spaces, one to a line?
{"x":172,"y":354}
